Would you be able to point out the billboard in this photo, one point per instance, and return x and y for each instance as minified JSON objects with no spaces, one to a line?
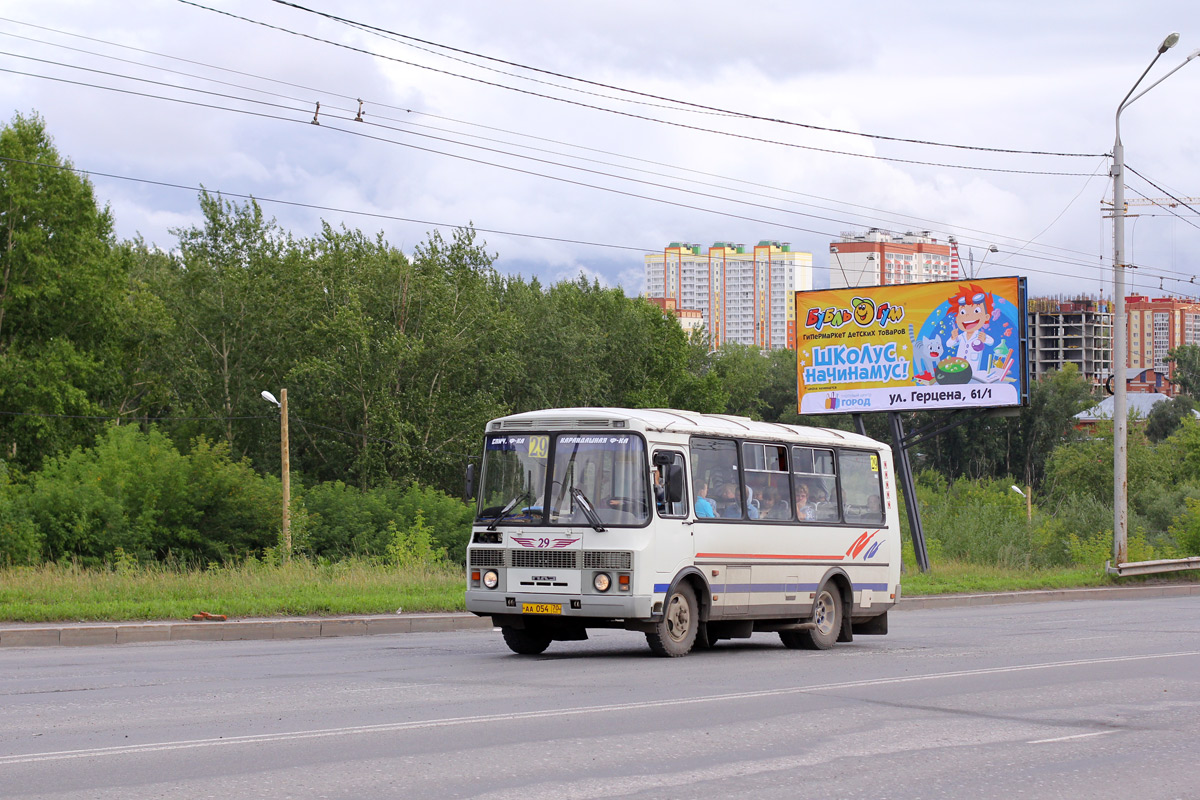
{"x":912,"y":347}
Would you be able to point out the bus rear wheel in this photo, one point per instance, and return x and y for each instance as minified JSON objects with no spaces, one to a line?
{"x":675,"y":633}
{"x":524,"y":642}
{"x":827,"y":616}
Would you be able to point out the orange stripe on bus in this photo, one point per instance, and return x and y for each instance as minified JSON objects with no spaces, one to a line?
{"x":765,"y":555}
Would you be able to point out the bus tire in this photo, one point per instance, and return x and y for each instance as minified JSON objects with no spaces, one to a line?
{"x":524,"y":642}
{"x":675,"y":633}
{"x":827,"y":615}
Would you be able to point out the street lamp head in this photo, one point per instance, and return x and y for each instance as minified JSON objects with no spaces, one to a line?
{"x":1169,"y":42}
{"x":1193,"y":55}
{"x":833,"y":249}
{"x":1017,"y":490}
{"x":270,"y":398}
{"x":993,"y":249}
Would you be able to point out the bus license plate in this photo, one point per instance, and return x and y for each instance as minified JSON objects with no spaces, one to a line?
{"x":541,"y":608}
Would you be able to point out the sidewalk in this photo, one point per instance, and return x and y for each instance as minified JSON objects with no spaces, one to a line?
{"x":15,"y":634}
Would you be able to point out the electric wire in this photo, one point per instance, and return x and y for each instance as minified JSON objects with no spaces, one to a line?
{"x":316,"y":207}
{"x":512,"y":144}
{"x":479,"y":161}
{"x":499,"y":232}
{"x":643,"y":117}
{"x":1168,"y":194}
{"x":255,"y":198}
{"x":299,"y":420}
{"x":697,"y":106}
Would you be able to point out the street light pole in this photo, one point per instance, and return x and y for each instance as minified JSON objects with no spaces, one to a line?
{"x":1120,"y":326}
{"x":285,"y":458}
{"x":284,"y":469}
{"x":971,"y":255}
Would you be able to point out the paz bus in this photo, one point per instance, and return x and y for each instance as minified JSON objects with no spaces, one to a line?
{"x":687,"y":527}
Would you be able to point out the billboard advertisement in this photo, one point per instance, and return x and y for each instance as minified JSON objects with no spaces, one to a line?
{"x":912,"y":347}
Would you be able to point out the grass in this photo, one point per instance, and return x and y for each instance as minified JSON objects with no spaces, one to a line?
{"x":55,"y":593}
{"x":957,"y":577}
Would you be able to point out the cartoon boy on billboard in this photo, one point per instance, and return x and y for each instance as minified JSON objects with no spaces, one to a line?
{"x":972,"y":310}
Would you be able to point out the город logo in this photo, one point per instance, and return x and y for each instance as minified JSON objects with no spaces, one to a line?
{"x":833,"y":402}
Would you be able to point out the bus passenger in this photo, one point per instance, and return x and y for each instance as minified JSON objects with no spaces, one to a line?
{"x":751,"y":504}
{"x":729,"y":503}
{"x":704,"y":506}
{"x":773,"y":505}
{"x":804,"y":509}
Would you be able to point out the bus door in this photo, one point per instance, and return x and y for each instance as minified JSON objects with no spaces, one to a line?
{"x":673,"y":545}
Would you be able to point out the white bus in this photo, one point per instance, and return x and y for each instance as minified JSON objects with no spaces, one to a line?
{"x":689,"y":528}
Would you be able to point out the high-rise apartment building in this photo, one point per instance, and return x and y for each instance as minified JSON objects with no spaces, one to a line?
{"x":879,"y":257}
{"x":744,"y":294}
{"x":1154,"y":327}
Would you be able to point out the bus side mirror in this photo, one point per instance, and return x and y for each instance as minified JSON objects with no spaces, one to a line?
{"x":469,"y":487}
{"x":674,"y":483}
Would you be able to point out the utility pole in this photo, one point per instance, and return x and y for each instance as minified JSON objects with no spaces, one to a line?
{"x":285,"y":476}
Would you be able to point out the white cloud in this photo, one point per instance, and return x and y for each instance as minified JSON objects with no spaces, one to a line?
{"x":1047,"y":78}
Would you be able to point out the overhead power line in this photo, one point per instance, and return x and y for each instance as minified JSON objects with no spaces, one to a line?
{"x":1168,"y":194}
{"x":683,"y":103}
{"x":642,"y":117}
{"x":255,"y":198}
{"x":315,"y":207}
{"x":887,"y":221}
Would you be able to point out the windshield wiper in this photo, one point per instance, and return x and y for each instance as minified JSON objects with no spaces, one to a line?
{"x":588,"y":510}
{"x":507,"y":508}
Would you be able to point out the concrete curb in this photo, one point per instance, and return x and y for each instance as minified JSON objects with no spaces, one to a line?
{"x":83,"y":634}
{"x":79,"y":634}
{"x":1048,"y":596}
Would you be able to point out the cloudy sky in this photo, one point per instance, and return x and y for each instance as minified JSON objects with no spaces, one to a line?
{"x":581,"y":135}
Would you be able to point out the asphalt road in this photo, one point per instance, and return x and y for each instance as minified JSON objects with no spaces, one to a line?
{"x":1090,"y":699}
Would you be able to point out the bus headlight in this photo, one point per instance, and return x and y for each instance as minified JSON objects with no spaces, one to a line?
{"x":490,"y":579}
{"x":601,"y":581}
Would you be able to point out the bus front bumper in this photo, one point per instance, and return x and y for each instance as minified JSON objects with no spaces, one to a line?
{"x":484,"y":602}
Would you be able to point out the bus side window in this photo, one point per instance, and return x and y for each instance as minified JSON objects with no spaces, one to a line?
{"x":814,"y":481}
{"x":861,"y":487}
{"x":715,"y":468}
{"x":662,"y":502}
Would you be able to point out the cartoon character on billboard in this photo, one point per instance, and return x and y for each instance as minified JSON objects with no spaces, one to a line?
{"x":927,"y":351}
{"x":973,"y":310}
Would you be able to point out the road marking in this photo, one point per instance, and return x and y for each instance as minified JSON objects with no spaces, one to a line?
{"x":447,"y":722}
{"x":1068,"y":738}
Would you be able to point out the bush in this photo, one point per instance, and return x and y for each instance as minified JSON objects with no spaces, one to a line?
{"x":1076,"y":519}
{"x":344,"y":521}
{"x":979,"y":522}
{"x":135,"y":492}
{"x":20,"y":541}
{"x":1186,"y":530}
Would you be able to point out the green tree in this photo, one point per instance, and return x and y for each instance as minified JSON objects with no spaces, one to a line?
{"x":229,"y":295}
{"x":1166,"y":417}
{"x":1185,"y":362}
{"x":59,"y":297}
{"x":1048,"y":420}
{"x":745,"y":373}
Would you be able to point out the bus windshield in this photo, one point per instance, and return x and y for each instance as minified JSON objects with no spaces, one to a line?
{"x":604,"y":474}
{"x":514,"y":479}
{"x":607,"y":471}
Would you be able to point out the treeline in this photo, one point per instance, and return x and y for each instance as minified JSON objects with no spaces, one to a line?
{"x":393,"y":364}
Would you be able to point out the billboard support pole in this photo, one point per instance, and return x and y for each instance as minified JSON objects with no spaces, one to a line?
{"x":859,"y":425}
{"x":904,"y":470}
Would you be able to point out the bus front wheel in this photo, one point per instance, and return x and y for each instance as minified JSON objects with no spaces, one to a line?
{"x":827,"y":616}
{"x":675,"y":633}
{"x":524,"y":642}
